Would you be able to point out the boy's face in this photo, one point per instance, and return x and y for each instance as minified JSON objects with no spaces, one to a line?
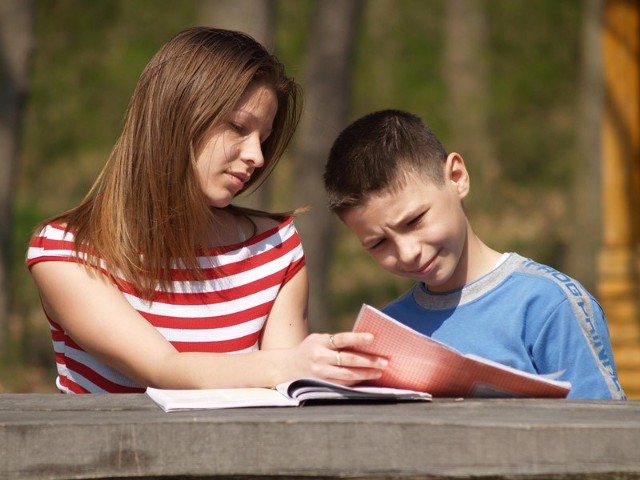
{"x":418,"y":230}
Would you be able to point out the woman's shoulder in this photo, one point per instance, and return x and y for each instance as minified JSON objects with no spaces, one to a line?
{"x":51,"y":231}
{"x":50,"y":241}
{"x":248,"y":227}
{"x":266,"y":223}
{"x":270,"y":229}
{"x":252,"y":222}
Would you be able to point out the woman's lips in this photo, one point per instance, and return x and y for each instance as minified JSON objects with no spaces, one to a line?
{"x":240,"y":178}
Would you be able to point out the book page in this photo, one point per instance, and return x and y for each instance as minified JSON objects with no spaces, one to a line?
{"x":420,"y":363}
{"x":175,"y":400}
{"x":416,"y":362}
{"x":289,"y":394}
{"x":315,"y":389}
{"x":551,"y":378}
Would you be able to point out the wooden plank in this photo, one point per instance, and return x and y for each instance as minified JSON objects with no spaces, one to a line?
{"x":103,"y":436}
{"x":619,"y":264}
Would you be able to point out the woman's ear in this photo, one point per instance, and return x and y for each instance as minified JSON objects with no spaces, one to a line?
{"x":457,"y":175}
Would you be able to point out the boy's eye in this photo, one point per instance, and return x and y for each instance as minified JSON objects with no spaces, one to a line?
{"x":375,"y":244}
{"x":416,"y":220}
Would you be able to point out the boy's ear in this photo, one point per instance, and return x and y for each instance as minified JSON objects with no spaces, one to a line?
{"x":456,"y":173}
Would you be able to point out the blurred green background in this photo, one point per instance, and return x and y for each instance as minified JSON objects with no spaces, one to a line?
{"x":512,"y":107}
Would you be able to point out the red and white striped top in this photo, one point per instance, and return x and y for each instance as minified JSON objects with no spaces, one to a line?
{"x":224,"y":313}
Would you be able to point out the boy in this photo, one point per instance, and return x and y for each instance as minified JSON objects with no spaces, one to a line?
{"x":390,"y":180}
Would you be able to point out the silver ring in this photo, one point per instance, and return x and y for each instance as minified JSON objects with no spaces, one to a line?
{"x":331,"y":341}
{"x":338,"y":359}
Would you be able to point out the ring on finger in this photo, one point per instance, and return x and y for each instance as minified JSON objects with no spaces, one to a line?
{"x":332,"y":342}
{"x":338,"y":359}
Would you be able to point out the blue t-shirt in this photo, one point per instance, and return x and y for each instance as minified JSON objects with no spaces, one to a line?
{"x":525,"y":315}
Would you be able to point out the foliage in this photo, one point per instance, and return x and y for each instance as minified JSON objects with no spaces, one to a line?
{"x":86,"y":60}
{"x":89,"y":54}
{"x":535,"y":55}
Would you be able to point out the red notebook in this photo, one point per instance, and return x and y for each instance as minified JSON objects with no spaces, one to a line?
{"x":417,"y":362}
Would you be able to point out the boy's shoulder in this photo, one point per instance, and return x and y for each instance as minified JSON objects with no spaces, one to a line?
{"x":547,"y":277}
{"x":516,"y":276}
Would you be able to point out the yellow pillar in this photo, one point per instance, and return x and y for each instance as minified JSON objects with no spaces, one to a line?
{"x":619,"y":262}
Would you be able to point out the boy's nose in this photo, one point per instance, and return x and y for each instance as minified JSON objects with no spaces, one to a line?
{"x":408,"y":253}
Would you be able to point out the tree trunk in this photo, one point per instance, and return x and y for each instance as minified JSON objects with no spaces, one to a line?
{"x":327,"y":88}
{"x":256,"y":18}
{"x":581,"y":261}
{"x":16,"y":17}
{"x":467,"y":74}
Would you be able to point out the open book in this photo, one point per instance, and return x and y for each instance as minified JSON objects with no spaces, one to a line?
{"x":288,"y":394}
{"x":420,"y":363}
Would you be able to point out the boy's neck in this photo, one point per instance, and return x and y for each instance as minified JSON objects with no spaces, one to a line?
{"x":481,"y":258}
{"x":477,"y":260}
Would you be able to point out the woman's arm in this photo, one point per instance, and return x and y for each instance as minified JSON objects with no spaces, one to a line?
{"x":287,"y":323}
{"x":98,"y":317}
{"x":287,"y":327}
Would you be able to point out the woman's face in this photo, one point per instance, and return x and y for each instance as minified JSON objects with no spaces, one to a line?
{"x":233,"y":150}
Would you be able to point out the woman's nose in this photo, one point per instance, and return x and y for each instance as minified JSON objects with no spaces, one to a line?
{"x":252,"y":151}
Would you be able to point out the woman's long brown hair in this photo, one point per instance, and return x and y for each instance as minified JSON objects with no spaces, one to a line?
{"x":146,"y":207}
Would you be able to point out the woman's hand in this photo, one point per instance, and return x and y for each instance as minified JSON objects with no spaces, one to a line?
{"x":332,"y":358}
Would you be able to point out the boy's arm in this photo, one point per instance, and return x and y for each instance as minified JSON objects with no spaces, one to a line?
{"x":575,"y":339}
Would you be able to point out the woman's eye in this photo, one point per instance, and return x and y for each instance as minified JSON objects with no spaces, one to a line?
{"x":236,"y":127}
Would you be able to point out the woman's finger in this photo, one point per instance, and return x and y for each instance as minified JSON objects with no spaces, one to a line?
{"x":342,"y":340}
{"x":351,"y":376}
{"x":346,"y":358}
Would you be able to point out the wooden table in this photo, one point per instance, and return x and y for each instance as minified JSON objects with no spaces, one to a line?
{"x":52,"y":436}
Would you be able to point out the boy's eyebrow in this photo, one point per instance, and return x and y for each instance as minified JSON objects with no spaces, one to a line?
{"x":406,"y":217}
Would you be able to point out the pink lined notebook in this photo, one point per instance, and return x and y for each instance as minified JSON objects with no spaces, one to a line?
{"x":417,"y":362}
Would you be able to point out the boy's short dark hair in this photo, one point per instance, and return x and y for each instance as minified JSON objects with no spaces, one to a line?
{"x":378,"y":151}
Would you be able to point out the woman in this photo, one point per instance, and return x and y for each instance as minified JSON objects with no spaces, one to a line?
{"x":156,"y":277}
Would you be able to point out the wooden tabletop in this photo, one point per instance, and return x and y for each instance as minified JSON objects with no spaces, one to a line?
{"x":54,"y":436}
